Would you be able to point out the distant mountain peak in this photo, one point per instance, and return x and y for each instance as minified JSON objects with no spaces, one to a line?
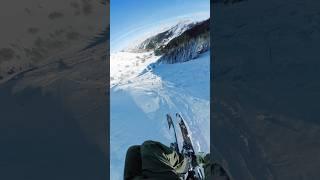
{"x":183,"y":41}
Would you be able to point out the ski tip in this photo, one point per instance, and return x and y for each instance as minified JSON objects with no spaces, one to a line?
{"x":179,"y":115}
{"x":169,"y":120}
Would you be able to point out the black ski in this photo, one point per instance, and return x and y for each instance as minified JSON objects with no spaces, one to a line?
{"x":187,"y":144}
{"x":174,"y":145}
{"x":194,"y":171}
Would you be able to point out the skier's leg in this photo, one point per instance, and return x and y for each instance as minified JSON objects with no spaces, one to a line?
{"x":159,"y":161}
{"x":132,"y":167}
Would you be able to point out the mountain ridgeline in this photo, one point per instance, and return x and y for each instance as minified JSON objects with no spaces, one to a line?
{"x":187,"y":46}
{"x":163,"y":38}
{"x":183,"y":42}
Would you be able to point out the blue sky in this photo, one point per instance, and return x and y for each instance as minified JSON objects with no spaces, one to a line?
{"x":131,"y":18}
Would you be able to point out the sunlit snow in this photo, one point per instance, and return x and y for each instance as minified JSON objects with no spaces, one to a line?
{"x":143,"y":92}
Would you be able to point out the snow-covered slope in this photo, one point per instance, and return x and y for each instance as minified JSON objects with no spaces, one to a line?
{"x":146,"y":84}
{"x":127,"y":65}
{"x":187,"y":46}
{"x":139,"y":104}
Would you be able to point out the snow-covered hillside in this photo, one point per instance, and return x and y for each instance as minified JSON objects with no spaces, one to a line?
{"x":127,"y":65}
{"x":143,"y":91}
{"x":162,"y":36}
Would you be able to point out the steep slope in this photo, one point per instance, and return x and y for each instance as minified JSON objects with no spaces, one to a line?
{"x":143,"y":91}
{"x":148,"y":97}
{"x":189,"y":45}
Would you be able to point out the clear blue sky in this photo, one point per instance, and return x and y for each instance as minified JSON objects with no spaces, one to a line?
{"x":129,"y":17}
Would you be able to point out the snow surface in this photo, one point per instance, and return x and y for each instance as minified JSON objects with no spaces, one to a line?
{"x":143,"y":92}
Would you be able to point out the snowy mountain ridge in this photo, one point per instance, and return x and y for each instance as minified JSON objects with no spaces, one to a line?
{"x":189,"y":45}
{"x":161,"y":38}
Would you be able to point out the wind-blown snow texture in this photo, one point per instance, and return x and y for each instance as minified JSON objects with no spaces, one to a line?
{"x":143,"y":91}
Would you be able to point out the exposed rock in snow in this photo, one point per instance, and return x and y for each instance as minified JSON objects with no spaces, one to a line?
{"x":189,"y":45}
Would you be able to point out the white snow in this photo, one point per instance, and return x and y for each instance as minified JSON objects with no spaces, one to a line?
{"x":125,"y":66}
{"x":141,"y":96}
{"x":179,"y":28}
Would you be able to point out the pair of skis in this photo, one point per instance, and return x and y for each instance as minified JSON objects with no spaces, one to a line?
{"x":194,"y":171}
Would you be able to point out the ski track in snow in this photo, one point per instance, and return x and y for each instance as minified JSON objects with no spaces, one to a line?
{"x":141,"y":97}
